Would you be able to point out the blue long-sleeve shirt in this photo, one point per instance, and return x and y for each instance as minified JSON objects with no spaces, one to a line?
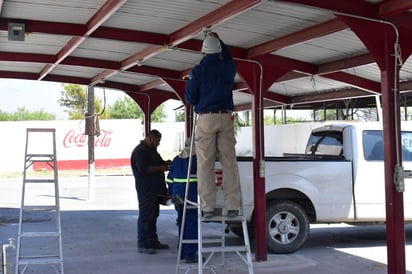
{"x":177,"y":177}
{"x":210,"y":83}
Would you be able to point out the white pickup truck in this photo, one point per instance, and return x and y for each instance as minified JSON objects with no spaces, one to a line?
{"x":339,"y":178}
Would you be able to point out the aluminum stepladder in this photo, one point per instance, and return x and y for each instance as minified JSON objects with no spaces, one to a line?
{"x":39,"y":245}
{"x":208,"y":247}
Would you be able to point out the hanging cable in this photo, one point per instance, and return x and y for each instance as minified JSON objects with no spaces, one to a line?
{"x":104,"y":102}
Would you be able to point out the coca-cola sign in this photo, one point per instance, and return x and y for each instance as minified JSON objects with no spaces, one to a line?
{"x":73,"y":139}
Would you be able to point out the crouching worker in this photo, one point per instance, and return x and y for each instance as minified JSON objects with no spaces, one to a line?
{"x":177,"y":179}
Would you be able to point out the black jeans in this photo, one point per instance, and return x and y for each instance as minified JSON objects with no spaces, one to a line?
{"x":146,"y":222}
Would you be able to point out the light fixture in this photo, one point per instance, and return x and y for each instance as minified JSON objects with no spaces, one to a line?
{"x":16,"y":31}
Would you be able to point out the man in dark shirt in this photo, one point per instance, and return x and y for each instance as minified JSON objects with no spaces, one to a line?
{"x":148,"y":169}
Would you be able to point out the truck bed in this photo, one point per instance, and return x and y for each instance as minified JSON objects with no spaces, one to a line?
{"x":297,"y":157}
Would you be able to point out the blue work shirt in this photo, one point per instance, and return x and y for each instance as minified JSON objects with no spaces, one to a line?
{"x":177,"y":177}
{"x":210,"y":83}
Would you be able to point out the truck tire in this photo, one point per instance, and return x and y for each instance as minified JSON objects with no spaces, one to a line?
{"x":287,"y":227}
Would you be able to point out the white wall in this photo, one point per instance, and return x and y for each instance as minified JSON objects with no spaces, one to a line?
{"x":119,"y":137}
{"x":117,"y":140}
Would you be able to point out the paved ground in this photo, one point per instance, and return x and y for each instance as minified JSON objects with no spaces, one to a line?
{"x":99,"y":236}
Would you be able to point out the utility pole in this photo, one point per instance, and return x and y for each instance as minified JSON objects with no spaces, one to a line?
{"x":90,"y":132}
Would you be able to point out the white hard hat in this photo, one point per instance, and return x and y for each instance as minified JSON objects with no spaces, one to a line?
{"x":211,"y":45}
{"x":186,"y":150}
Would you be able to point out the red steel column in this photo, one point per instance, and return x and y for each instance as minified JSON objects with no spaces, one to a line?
{"x":395,"y":223}
{"x":380,"y":37}
{"x":251,"y":73}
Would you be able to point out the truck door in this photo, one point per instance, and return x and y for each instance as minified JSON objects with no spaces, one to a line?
{"x":370,"y":179}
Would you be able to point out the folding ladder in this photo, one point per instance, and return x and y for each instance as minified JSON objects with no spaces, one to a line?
{"x":39,"y":246}
{"x":210,"y":246}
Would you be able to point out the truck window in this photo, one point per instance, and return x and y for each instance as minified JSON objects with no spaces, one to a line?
{"x":373,"y":145}
{"x":325,"y":143}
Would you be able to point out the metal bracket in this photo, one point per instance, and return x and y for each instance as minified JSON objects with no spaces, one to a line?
{"x":399,"y":178}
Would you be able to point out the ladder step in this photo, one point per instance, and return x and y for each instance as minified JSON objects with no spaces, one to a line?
{"x":40,"y":160}
{"x":207,"y":241}
{"x":40,"y":208}
{"x":40,"y":180}
{"x":43,"y":155}
{"x":238,"y":218}
{"x":40,"y":129}
{"x":40,"y":260}
{"x":40,"y":234}
{"x":241,"y":248}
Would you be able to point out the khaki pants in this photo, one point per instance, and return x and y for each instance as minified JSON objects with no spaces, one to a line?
{"x":215,"y":137}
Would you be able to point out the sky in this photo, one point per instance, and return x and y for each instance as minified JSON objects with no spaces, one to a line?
{"x":43,"y":95}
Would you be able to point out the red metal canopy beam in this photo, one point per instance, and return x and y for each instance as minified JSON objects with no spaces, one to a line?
{"x":101,"y":77}
{"x":346,"y":63}
{"x":328,"y":96}
{"x":151,"y":85}
{"x":219,"y":15}
{"x":26,"y":57}
{"x":391,"y":7}
{"x":140,"y":56}
{"x":276,"y":97}
{"x":33,"y":26}
{"x":279,"y":62}
{"x":95,"y":21}
{"x":356,"y":81}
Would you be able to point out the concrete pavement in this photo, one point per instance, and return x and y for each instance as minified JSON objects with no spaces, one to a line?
{"x":99,"y":236}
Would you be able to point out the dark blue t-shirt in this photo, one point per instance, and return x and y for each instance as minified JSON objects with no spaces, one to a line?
{"x":147,"y":184}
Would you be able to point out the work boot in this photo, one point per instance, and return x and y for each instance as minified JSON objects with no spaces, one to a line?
{"x":159,"y":245}
{"x":147,"y":250}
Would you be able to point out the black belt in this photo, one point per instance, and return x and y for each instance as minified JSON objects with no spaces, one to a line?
{"x":216,"y":111}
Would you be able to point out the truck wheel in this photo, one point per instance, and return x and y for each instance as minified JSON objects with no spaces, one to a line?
{"x":287,"y":227}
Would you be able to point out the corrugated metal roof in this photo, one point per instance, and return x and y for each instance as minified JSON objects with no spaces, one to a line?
{"x":160,"y":16}
{"x":131,"y":44}
{"x":336,"y":46}
{"x":103,"y":49}
{"x":36,"y":43}
{"x":73,"y":11}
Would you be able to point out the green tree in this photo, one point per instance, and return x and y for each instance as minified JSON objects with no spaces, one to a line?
{"x":158,"y":115}
{"x":74,"y":99}
{"x":4,"y":116}
{"x":180,"y":116}
{"x":127,"y":108}
{"x":22,"y":114}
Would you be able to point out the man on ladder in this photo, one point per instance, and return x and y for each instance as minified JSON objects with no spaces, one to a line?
{"x":209,"y":89}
